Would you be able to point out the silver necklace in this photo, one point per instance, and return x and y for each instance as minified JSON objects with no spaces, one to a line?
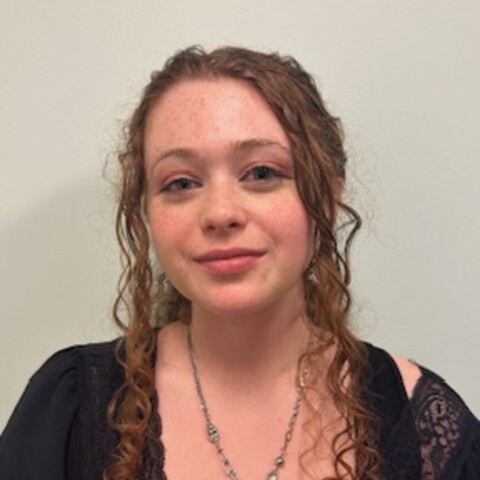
{"x":212,"y":431}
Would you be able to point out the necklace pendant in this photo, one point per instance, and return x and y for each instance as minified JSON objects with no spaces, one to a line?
{"x":272,"y":475}
{"x":212,"y":433}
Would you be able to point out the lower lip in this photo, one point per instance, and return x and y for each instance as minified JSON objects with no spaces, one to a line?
{"x":229,"y":266}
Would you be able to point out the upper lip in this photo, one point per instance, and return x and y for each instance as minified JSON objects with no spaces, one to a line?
{"x":223,"y":254}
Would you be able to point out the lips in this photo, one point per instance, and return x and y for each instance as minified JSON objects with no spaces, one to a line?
{"x":229,"y":261}
{"x":228,"y":253}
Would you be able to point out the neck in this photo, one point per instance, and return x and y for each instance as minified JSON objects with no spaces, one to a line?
{"x":250,"y":347}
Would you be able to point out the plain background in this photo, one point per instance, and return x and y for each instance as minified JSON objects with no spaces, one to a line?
{"x":404,"y":77}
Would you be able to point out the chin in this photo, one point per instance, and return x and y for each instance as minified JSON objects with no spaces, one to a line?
{"x":237,"y":299}
{"x":238,"y":304}
{"x":235,"y":307}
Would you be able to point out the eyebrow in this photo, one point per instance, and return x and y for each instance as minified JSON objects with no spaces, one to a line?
{"x":238,"y":147}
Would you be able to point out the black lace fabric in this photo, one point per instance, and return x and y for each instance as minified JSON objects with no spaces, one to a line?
{"x":435,"y":438}
{"x":100,"y":376}
{"x":154,"y":461}
{"x":447,"y":431}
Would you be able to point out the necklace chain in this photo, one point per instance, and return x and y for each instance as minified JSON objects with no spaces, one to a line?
{"x":212,"y":431}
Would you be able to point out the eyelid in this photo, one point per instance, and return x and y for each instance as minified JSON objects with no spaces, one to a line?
{"x":167,"y":186}
{"x":275,"y":171}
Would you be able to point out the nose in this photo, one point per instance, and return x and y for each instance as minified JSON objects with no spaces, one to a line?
{"x":222,"y":209}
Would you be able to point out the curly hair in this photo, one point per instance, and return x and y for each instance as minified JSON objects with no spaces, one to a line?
{"x":317,"y":144}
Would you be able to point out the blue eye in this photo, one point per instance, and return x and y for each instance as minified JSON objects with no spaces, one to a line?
{"x":262,"y":173}
{"x":180,"y":184}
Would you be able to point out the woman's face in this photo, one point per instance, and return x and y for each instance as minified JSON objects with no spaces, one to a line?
{"x":225,"y":217}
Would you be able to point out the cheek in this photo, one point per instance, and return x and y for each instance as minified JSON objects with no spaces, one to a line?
{"x":296,"y":227}
{"x":165,"y":232}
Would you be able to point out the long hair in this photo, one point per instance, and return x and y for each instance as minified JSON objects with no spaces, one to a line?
{"x":316,"y":139}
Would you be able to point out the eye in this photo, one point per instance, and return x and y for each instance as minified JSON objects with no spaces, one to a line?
{"x":262,"y":173}
{"x":179,"y":185}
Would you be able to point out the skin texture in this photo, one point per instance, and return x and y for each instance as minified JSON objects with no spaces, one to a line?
{"x":208,"y":190}
{"x":410,"y":374}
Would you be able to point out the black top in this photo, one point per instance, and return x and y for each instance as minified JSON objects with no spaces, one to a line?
{"x":58,"y":431}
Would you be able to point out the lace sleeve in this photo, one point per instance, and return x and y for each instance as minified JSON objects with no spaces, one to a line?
{"x":449,"y":434}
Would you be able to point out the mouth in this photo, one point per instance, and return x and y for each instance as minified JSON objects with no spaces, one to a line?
{"x":229,"y":261}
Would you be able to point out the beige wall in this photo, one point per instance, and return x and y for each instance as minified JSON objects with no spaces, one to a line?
{"x":404,"y":76}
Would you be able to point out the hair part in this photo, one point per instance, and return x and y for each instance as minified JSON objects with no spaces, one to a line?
{"x":316,"y":140}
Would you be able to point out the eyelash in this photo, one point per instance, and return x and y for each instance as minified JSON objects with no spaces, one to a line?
{"x":273,"y":174}
{"x":178,"y":185}
{"x":182,"y":184}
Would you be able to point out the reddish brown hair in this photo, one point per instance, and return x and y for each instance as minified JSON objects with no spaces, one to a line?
{"x":316,"y":139}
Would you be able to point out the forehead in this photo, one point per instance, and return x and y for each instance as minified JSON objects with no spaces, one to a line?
{"x":196,"y":113}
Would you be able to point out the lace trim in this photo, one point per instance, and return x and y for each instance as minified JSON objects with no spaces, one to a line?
{"x":154,"y":460}
{"x":101,"y":375}
{"x":433,"y":438}
{"x":443,"y":423}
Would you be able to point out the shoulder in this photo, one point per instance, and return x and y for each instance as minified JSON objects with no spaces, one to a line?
{"x":414,"y":381}
{"x":68,"y":368}
{"x":45,"y":421}
{"x":404,"y":373}
{"x":432,"y":428}
{"x":448,"y":432}
{"x":410,"y":373}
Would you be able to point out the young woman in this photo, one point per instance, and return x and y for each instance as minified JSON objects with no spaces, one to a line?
{"x":236,"y":360}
